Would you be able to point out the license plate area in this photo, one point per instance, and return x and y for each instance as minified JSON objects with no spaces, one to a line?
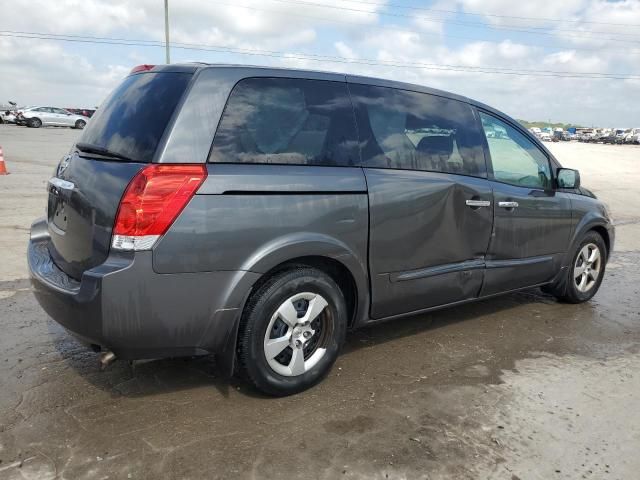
{"x":60,"y":192}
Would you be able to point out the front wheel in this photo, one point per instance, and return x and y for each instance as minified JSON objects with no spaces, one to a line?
{"x":80,"y":124}
{"x":34,"y":123}
{"x":292,"y":330}
{"x":586,"y":270}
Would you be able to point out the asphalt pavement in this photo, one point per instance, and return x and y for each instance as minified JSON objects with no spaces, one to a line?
{"x":516,"y":387}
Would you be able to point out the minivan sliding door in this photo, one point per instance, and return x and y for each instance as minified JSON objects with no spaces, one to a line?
{"x":430,"y":204}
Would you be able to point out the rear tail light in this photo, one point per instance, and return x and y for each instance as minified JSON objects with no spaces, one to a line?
{"x":151,"y":203}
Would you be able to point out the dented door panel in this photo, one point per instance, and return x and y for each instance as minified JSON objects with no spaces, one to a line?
{"x":427,"y":244}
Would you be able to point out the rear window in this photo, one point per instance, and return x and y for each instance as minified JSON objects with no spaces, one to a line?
{"x":287,"y":121}
{"x":131,"y":121}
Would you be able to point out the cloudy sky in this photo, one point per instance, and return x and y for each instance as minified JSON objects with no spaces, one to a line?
{"x":559,"y":60}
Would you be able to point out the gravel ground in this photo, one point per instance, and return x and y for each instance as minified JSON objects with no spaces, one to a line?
{"x":517,"y":387}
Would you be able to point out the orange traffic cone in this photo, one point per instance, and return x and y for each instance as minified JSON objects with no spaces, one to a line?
{"x":3,"y":168}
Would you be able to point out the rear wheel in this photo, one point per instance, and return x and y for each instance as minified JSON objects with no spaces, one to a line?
{"x":80,"y":124}
{"x":586,"y":270}
{"x":292,"y":330}
{"x":34,"y":123}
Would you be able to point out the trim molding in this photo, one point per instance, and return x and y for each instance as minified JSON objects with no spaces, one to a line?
{"x":438,"y":270}
{"x":476,"y":264}
{"x":518,"y":262}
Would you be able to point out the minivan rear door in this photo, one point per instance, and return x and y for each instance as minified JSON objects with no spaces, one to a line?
{"x":532,"y":223}
{"x":430,"y":204}
{"x":86,"y":189}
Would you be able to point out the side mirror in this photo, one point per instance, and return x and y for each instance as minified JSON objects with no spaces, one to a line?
{"x":568,"y":178}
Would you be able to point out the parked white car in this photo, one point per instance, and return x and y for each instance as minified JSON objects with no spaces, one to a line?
{"x":545,"y":136}
{"x":633,"y":136}
{"x":36,"y":117}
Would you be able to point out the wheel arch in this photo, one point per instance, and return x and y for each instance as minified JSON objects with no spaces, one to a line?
{"x":588,"y":224}
{"x":318,"y":251}
{"x":337,"y":270}
{"x":337,"y":259}
{"x":604,"y":233}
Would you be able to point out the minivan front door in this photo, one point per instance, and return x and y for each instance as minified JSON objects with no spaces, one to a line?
{"x":430,"y":207}
{"x":532,"y":222}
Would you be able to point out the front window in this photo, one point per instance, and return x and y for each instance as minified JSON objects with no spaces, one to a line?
{"x":515,"y":158}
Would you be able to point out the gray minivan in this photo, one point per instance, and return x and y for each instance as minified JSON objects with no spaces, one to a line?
{"x":259,"y":214}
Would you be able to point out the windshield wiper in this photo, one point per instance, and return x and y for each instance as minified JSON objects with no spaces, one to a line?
{"x":102,"y":151}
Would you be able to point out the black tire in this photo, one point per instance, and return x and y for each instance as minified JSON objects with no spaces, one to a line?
{"x":80,"y":124}
{"x":34,"y":123}
{"x":260,"y":313}
{"x":571,"y":293}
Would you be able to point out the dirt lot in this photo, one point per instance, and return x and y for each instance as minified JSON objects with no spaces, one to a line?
{"x":519,"y":387}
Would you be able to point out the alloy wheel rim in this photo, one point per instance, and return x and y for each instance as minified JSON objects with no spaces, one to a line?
{"x":586,"y":268}
{"x":298,"y":334}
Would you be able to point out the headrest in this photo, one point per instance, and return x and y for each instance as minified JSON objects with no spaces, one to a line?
{"x":436,"y":145}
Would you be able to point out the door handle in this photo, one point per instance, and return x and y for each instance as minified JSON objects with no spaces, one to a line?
{"x":508,"y":204}
{"x":478,"y":203}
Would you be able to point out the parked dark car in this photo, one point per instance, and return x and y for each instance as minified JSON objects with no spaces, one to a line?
{"x":259,"y":214}
{"x":610,"y":137}
{"x":560,"y":136}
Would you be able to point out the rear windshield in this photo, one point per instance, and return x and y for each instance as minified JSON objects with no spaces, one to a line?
{"x":131,"y":121}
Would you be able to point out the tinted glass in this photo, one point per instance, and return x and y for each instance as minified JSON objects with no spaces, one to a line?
{"x":417,"y":131}
{"x":287,"y":121}
{"x":132,"y":119}
{"x":515,"y":158}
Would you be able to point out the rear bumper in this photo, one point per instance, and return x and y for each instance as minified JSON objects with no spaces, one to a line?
{"x":124,"y":306}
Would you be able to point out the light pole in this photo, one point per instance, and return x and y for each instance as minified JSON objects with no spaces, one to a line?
{"x":166,"y":29}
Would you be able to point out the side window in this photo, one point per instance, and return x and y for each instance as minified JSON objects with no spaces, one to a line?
{"x":287,"y":121}
{"x":515,"y":159}
{"x":417,"y":131}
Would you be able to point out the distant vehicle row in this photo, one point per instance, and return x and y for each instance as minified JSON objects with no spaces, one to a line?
{"x":612,"y":136}
{"x":590,"y":135}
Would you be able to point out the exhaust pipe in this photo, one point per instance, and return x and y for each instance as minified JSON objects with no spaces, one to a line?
{"x":106,"y":359}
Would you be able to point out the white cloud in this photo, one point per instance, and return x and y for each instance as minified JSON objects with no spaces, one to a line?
{"x":56,"y":73}
{"x":344,"y":50}
{"x":43,"y":73}
{"x":502,"y":12}
{"x":433,"y":21}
